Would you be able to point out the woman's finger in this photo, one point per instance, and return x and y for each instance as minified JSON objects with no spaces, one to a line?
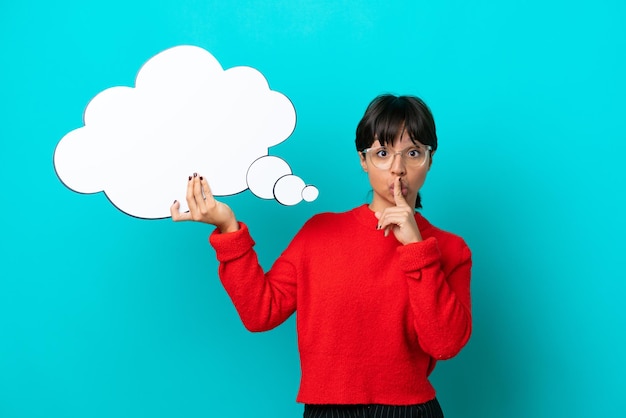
{"x":206,"y":189}
{"x":397,"y":193}
{"x":203,"y":207}
{"x":191,"y":201}
{"x":392,"y":221}
{"x":197,"y":192}
{"x":394,"y":215}
{"x":400,"y":222}
{"x":176,"y":215}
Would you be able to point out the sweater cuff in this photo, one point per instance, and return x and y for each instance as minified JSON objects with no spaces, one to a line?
{"x":416,"y":256}
{"x":231,"y":245}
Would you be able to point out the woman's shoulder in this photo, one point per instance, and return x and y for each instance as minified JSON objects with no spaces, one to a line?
{"x":444,"y":238}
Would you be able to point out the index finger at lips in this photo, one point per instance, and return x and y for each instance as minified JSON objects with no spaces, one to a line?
{"x":397,"y":193}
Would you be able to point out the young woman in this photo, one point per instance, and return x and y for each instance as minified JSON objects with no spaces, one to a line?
{"x":381,"y":294}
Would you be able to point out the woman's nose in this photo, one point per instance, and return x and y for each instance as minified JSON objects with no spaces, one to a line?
{"x":397,"y":164}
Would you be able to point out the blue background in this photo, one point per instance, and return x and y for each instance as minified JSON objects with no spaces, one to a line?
{"x":105,"y":315}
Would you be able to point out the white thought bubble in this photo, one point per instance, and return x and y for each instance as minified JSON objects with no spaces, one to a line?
{"x":185,"y":114}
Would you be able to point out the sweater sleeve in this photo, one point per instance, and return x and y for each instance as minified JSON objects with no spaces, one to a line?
{"x":439,"y":294}
{"x":263,"y":300}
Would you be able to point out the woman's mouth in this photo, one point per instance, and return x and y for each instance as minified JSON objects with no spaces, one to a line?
{"x":405,"y":190}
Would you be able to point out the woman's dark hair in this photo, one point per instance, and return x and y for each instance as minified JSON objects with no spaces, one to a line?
{"x":387,"y":116}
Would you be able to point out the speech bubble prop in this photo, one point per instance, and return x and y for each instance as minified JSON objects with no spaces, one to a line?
{"x":185,"y":114}
{"x":270,"y":177}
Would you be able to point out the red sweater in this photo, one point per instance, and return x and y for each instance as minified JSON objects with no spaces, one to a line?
{"x":373,"y":315}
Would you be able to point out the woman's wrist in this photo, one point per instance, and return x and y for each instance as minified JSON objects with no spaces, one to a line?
{"x":232,"y":226}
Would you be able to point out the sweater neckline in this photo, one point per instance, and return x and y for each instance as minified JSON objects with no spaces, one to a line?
{"x":366,"y":217}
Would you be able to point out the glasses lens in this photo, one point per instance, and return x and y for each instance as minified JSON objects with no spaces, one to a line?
{"x":413,"y":156}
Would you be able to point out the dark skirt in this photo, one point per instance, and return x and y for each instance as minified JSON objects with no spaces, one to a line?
{"x":430,"y":409}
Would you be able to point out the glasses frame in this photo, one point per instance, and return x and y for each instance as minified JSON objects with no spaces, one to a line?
{"x":402,"y":154}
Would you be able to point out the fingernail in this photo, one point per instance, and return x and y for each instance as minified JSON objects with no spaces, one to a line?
{"x":195,"y":174}
{"x":189,"y":178}
{"x":201,"y":178}
{"x":175,"y":201}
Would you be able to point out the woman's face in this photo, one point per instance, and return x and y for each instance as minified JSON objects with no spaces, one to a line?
{"x":382,"y":180}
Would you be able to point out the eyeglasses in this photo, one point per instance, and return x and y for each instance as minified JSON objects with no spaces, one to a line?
{"x":383,"y":158}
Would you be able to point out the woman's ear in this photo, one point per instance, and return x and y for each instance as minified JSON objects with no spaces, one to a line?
{"x":430,"y":160}
{"x":363,"y":162}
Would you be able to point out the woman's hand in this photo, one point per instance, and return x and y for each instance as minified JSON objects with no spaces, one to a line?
{"x":204,"y":208}
{"x":400,"y":219}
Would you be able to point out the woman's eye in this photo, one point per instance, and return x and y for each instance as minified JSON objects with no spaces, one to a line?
{"x":381,"y":153}
{"x":414,"y":153}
